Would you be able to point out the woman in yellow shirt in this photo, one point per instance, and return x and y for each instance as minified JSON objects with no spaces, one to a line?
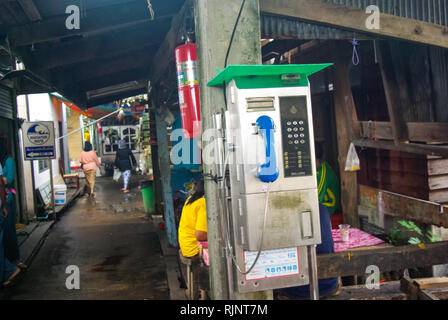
{"x":193,"y":228}
{"x":193,"y":223}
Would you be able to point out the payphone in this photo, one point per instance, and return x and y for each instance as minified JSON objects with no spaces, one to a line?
{"x":272,"y":195}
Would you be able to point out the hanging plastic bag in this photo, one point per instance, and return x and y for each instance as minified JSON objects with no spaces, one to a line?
{"x":117,"y":175}
{"x":352,"y":163}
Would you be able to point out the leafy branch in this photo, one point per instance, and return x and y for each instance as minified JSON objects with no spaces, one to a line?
{"x":411,"y":226}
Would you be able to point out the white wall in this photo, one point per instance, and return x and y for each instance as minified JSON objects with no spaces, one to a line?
{"x":28,"y":206}
{"x":41,"y":109}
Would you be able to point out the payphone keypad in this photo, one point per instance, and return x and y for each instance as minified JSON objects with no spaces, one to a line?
{"x":295,"y":136}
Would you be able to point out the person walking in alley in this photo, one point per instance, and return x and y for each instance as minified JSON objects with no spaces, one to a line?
{"x":124,"y":160}
{"x":8,"y":271}
{"x":89,"y":162}
{"x":10,"y":243}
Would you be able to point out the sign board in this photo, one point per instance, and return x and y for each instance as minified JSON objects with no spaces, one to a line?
{"x":272,"y":263}
{"x":38,"y":140}
{"x":138,"y":110}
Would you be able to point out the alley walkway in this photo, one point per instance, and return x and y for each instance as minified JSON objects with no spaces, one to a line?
{"x":113,"y":243}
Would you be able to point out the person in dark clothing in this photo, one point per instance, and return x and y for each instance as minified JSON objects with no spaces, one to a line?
{"x":10,"y":242}
{"x":8,"y":271}
{"x":329,"y":286}
{"x":124,"y":160}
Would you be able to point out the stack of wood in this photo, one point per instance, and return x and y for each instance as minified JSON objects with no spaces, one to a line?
{"x":425,"y":289}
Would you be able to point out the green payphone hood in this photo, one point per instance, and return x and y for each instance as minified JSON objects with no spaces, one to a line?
{"x":267,"y":76}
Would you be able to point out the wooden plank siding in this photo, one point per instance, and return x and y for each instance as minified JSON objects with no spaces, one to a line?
{"x":428,"y":132}
{"x":396,"y":205}
{"x":399,"y":172}
{"x":438,"y":179}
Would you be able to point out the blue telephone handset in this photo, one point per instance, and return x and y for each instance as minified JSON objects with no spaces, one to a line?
{"x":268,"y":172}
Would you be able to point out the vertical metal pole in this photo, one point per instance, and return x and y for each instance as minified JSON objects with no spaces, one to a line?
{"x":52,"y":189}
{"x":66,"y":159}
{"x":312,"y":271}
{"x":220,"y":151}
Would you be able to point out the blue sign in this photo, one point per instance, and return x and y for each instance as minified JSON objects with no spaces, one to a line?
{"x":40,"y":152}
{"x":38,"y":140}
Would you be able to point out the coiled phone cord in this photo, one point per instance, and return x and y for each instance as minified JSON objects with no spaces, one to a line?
{"x":228,"y":223}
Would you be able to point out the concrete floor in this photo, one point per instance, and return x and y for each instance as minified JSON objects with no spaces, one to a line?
{"x":111,"y":240}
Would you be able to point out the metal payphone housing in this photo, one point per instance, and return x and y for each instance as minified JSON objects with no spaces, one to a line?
{"x":282,"y":94}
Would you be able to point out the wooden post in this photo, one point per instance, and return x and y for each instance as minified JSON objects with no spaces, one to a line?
{"x":214,"y":22}
{"x":165,"y":172}
{"x":155,"y":163}
{"x":392,"y":92}
{"x":348,"y":130}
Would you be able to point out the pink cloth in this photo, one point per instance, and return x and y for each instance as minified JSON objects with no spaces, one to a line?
{"x":204,"y":246}
{"x":89,"y":160}
{"x":358,"y":238}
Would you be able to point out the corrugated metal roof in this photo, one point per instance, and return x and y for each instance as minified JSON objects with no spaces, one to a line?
{"x":6,"y":103}
{"x":277,"y":27}
{"x":432,"y":11}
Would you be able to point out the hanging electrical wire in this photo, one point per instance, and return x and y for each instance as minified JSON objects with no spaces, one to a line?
{"x":233,"y":33}
{"x":151,"y":10}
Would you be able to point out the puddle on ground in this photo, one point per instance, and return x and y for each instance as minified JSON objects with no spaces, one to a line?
{"x":108,"y":265}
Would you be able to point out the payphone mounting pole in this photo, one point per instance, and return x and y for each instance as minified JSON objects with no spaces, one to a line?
{"x":222,"y":194}
{"x":312,"y":261}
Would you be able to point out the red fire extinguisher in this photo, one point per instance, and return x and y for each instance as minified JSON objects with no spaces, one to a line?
{"x":98,"y":126}
{"x":188,"y":87}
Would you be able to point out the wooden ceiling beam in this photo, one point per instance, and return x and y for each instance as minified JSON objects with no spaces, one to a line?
{"x":136,"y":74}
{"x":114,"y":97}
{"x":161,"y":61}
{"x":82,"y":73}
{"x":30,"y":10}
{"x":98,"y":20}
{"x":84,"y":50}
{"x":337,"y":15}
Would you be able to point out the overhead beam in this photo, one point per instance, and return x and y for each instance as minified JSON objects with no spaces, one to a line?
{"x":429,"y":132}
{"x":424,"y":149}
{"x":85,"y":72}
{"x":161,"y":60}
{"x":76,"y":51}
{"x":78,"y":92}
{"x":98,"y":20}
{"x":30,"y":10}
{"x":115,"y":97}
{"x":11,"y":14}
{"x":355,"y":19}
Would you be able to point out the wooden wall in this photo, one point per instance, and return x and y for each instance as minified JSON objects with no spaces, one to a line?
{"x":438,"y":179}
{"x":421,"y":73}
{"x":393,"y":171}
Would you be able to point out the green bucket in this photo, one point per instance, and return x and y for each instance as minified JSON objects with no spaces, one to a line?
{"x":148,"y":196}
